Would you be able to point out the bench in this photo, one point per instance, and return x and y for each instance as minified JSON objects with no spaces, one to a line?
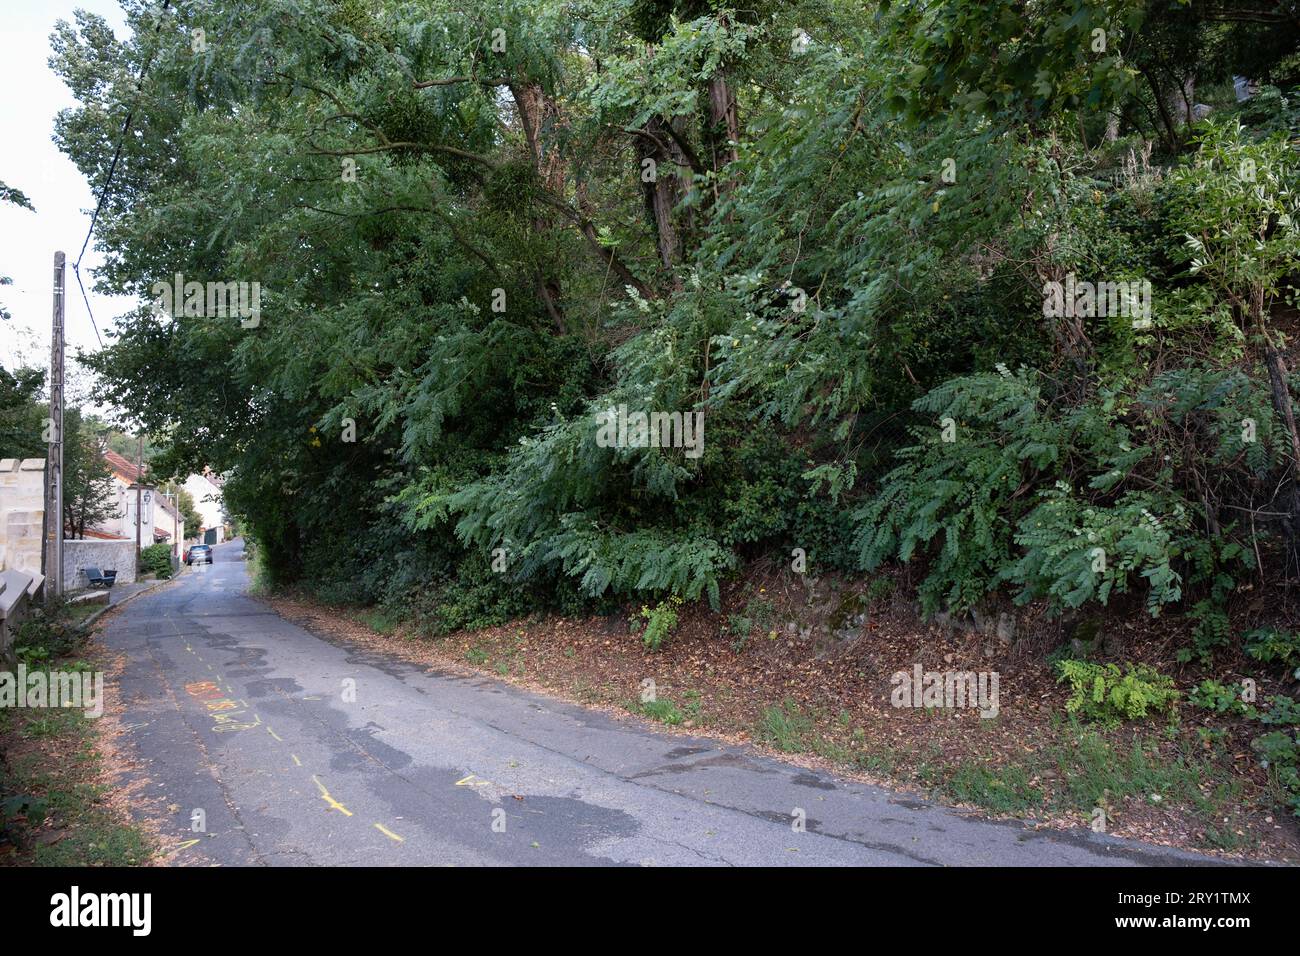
{"x":100,"y":579}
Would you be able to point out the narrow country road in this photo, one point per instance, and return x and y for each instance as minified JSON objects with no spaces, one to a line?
{"x":301,"y":751}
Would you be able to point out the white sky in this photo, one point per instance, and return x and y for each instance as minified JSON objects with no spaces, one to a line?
{"x":30,"y":161}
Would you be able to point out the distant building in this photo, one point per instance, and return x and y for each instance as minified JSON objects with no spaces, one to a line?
{"x":122,"y":525}
{"x":205,"y":489}
{"x":160,"y":522}
{"x":168,"y":525}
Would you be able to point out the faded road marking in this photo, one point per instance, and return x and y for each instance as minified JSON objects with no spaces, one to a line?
{"x":389,"y":833}
{"x":325,"y":795}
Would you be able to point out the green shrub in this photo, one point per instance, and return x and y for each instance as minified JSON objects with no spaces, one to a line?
{"x":955,"y":496}
{"x":1269,"y":644}
{"x":43,"y":636}
{"x":661,"y":621}
{"x":1282,"y":711}
{"x":1279,"y":753}
{"x":757,"y":614}
{"x":1077,"y":552}
{"x":991,"y":474}
{"x":1218,"y":697}
{"x":157,"y":560}
{"x":1105,"y":693}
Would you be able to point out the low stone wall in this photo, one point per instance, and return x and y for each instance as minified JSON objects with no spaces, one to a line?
{"x":96,"y":553}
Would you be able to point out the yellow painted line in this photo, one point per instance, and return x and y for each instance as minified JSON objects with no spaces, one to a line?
{"x":185,"y":846}
{"x":296,"y":760}
{"x":465,"y":782}
{"x":389,"y":833}
{"x":325,"y":795}
{"x":273,"y":733}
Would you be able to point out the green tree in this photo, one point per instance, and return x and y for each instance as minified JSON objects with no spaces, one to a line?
{"x":22,"y":413}
{"x":89,"y":498}
{"x":15,"y":197}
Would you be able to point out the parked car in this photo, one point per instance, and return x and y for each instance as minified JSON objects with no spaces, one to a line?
{"x":199,"y":554}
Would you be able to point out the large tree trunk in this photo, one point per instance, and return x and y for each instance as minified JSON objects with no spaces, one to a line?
{"x":537,"y":113}
{"x":724,"y":122}
{"x":1280,"y":392}
{"x":662,"y":191}
{"x":1289,"y":496}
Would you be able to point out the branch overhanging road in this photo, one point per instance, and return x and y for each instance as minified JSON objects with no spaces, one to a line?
{"x":298,"y":750}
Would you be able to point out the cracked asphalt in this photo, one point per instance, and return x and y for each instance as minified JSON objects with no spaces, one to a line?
{"x":291,"y":749}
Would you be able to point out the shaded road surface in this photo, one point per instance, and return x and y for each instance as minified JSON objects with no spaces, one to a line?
{"x":302,"y":751}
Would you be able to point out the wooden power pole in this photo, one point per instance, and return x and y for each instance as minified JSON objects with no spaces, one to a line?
{"x":139,"y":486}
{"x":52,"y":554}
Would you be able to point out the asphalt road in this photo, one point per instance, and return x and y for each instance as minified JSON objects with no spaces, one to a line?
{"x":301,"y":751}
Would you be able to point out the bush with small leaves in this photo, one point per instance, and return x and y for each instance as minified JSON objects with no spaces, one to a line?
{"x":157,"y":560}
{"x":1110,"y":695}
{"x":661,"y":621}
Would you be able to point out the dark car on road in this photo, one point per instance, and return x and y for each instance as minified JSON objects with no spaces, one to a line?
{"x":199,"y":554}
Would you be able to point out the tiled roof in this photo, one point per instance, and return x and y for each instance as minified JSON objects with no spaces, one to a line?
{"x":92,"y":533}
{"x":121,"y":466}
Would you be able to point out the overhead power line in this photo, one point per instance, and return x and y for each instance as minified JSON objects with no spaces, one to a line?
{"x":112,"y":168}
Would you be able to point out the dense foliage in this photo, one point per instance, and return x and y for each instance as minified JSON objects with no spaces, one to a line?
{"x":156,"y":559}
{"x":478,"y":230}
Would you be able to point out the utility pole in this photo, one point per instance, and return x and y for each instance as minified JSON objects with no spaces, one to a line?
{"x":175,"y":499}
{"x":52,"y":553}
{"x":139,"y":486}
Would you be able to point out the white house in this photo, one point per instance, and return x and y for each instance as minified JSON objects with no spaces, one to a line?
{"x":205,"y":489}
{"x":168,"y":525}
{"x":122,"y":525}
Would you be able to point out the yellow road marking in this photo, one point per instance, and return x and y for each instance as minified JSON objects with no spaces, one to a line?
{"x":325,"y":795}
{"x":185,"y":846}
{"x":465,"y":782}
{"x":273,"y":733}
{"x":296,"y":760}
{"x":389,"y":833}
